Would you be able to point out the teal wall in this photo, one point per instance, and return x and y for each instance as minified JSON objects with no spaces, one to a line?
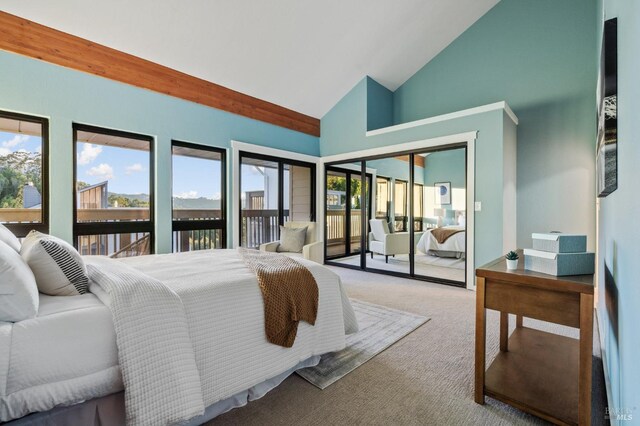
{"x":537,"y":56}
{"x":66,"y":96}
{"x":396,"y":169}
{"x":379,"y":105}
{"x":446,"y":166}
{"x":345,"y":122}
{"x":619,"y":232}
{"x":343,"y":130}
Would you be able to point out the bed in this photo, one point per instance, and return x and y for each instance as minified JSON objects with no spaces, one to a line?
{"x":453,"y":247}
{"x":84,"y":350}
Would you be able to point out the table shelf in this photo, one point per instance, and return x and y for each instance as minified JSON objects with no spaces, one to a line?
{"x":538,"y":374}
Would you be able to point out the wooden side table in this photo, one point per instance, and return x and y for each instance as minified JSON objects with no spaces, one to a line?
{"x":542,"y":373}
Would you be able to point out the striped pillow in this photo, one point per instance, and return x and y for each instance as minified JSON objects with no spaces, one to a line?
{"x":57,"y":266}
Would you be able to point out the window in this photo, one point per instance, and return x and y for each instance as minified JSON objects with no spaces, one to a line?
{"x":24,"y":199}
{"x":383,"y":186}
{"x":273,"y":191}
{"x":418,"y":206}
{"x":400,"y":203}
{"x":113,"y":196}
{"x":199,"y":212}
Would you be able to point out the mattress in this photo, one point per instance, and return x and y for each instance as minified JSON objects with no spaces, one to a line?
{"x":454,"y":246}
{"x":65,"y":355}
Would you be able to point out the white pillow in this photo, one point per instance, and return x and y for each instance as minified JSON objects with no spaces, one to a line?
{"x":10,"y":239}
{"x":18,"y":291}
{"x":57,"y":266}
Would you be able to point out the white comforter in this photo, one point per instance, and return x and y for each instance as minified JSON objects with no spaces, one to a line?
{"x":456,"y":243}
{"x":190,"y":329}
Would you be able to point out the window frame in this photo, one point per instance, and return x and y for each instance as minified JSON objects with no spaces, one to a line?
{"x":109,"y":228}
{"x":22,"y":229}
{"x":208,"y":224}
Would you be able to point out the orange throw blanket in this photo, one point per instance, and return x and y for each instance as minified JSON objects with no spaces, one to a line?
{"x":443,"y":234}
{"x":289,"y":291}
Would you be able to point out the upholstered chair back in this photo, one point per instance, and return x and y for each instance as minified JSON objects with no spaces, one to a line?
{"x":379,"y":228}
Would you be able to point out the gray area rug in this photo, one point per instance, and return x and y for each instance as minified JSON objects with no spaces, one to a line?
{"x":380,"y":327}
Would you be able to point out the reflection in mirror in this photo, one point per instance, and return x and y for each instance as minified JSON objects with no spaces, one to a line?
{"x":345,"y":202}
{"x":388,"y":237}
{"x":441,"y":248}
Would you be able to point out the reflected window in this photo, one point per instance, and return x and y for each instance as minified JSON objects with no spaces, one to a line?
{"x":400,"y":205}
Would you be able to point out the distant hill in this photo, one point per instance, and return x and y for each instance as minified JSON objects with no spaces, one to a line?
{"x":178,"y":203}
{"x":195,"y":203}
{"x":141,"y":197}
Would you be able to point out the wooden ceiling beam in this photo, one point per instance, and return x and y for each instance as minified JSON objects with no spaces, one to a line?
{"x":28,"y":38}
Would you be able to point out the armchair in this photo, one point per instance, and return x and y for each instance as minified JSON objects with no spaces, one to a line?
{"x":383,"y":242}
{"x":312,"y":250}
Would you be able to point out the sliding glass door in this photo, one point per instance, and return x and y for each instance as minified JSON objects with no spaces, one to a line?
{"x":419,"y":226}
{"x":273,"y":191}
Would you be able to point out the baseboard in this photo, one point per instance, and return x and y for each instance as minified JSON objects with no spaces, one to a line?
{"x":603,"y":357}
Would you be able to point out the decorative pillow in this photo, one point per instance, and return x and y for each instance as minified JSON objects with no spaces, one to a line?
{"x":10,"y":239}
{"x":292,"y":239}
{"x":57,"y":266}
{"x":391,"y":227}
{"x":18,"y":291}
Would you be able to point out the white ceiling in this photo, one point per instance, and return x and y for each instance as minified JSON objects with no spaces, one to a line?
{"x":301,"y":54}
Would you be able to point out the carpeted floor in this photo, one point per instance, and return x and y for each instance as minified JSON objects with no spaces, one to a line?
{"x":424,"y":379}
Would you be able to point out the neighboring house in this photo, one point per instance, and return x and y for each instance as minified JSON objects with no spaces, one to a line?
{"x":31,"y":198}
{"x":94,"y":196}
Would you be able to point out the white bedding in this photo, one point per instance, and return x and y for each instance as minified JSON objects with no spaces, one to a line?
{"x":64,"y":355}
{"x":224,"y":311}
{"x":454,"y":244}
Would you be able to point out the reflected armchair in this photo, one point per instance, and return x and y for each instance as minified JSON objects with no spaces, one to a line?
{"x":382,"y":241}
{"x":312,"y":250}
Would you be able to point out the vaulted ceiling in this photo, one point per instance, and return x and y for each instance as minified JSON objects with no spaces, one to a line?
{"x":301,"y":54}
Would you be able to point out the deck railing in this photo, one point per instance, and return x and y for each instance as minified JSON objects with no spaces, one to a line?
{"x":336,"y":226}
{"x":260,"y":226}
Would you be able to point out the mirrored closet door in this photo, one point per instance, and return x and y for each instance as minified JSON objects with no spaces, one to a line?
{"x":414,"y":220}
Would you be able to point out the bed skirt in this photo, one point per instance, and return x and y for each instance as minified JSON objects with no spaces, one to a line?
{"x":109,"y":410}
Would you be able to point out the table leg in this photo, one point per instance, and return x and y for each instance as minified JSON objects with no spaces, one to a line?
{"x":481,"y":325}
{"x":519,"y":321}
{"x":504,"y":331}
{"x":586,"y":351}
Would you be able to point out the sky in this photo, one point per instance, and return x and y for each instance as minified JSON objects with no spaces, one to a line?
{"x":127,"y":170}
{"x":11,"y":142}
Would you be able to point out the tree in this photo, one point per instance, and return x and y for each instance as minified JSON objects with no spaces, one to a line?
{"x":16,"y":170}
{"x":339,"y":183}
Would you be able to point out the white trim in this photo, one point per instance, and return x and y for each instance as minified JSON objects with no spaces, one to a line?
{"x":234,"y":165}
{"x":407,"y":146}
{"x":469,"y":138}
{"x":444,"y":117}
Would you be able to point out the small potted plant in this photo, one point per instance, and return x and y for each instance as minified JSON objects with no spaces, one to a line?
{"x":512,"y":260}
